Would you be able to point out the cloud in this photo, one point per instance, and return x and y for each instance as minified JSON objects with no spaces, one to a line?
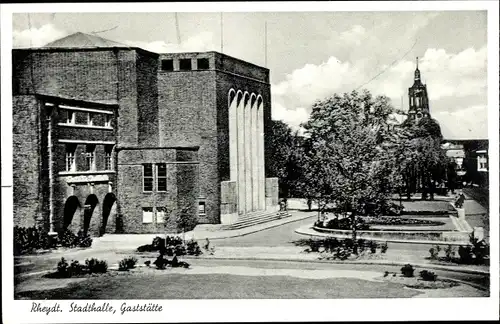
{"x":449,"y":77}
{"x":353,"y":36}
{"x":198,"y":43}
{"x":466,"y":123}
{"x":36,"y":37}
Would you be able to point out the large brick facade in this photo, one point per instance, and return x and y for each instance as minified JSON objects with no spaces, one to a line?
{"x":168,"y":109}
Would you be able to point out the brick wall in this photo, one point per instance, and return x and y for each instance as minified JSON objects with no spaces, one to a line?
{"x":147,"y":99}
{"x":27,"y":180}
{"x":132,"y":199}
{"x":188,"y":117}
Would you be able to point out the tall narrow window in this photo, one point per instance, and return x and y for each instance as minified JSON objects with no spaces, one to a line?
{"x":70,"y":158}
{"x":108,"y":157}
{"x":161,"y":176}
{"x":107,"y":120}
{"x":67,"y":116}
{"x":90,"y":157}
{"x":90,"y":119}
{"x":160,"y":215}
{"x":147,"y":178}
{"x":147,"y":215}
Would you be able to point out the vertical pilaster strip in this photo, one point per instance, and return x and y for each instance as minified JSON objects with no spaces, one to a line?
{"x":254,"y":156}
{"x":262,"y":175}
{"x":233,"y":139}
{"x":248,"y":158}
{"x":240,"y":112}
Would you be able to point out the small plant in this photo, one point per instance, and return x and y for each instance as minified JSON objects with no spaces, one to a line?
{"x":428,"y":275}
{"x":96,"y":266}
{"x":76,"y":269}
{"x":83,"y":239}
{"x":449,"y":253}
{"x":342,"y":253}
{"x":384,"y":247}
{"x":192,"y":248}
{"x":434,"y":252}
{"x":465,"y":254}
{"x":161,"y":262}
{"x":127,"y":263}
{"x":63,"y":268}
{"x":407,"y":270}
{"x":361,"y":245}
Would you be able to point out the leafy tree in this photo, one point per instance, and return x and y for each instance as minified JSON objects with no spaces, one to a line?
{"x":285,"y":153}
{"x":350,"y":160}
{"x":426,"y":162}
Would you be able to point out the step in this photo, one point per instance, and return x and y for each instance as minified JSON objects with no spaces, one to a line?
{"x":263,"y":219}
{"x":253,"y":222}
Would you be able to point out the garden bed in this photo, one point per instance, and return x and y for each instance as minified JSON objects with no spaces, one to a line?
{"x":418,"y":283}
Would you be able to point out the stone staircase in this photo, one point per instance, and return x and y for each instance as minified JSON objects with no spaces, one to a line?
{"x":255,"y":218}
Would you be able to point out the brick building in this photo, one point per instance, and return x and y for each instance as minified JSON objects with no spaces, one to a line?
{"x":111,"y":138}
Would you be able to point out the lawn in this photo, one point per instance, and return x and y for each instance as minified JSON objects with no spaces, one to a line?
{"x":218,"y":286}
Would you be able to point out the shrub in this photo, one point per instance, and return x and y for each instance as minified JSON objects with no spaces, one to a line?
{"x":28,"y":239}
{"x":192,"y":248}
{"x":384,"y":247}
{"x":314,"y":245}
{"x":127,"y":263}
{"x":465,"y":254}
{"x":68,"y":239}
{"x":373,"y":246}
{"x":449,"y":253}
{"x":428,"y":275}
{"x":76,"y":269}
{"x":345,"y":224}
{"x":122,"y":265}
{"x":342,"y":253}
{"x":407,"y":270}
{"x":161,"y":262}
{"x":361,"y":245}
{"x":96,"y":266}
{"x":83,"y":239}
{"x":63,"y":268}
{"x":434,"y":252}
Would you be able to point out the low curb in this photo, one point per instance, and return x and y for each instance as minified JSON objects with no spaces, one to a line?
{"x":321,"y":234}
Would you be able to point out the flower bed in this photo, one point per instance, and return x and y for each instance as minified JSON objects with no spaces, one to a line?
{"x":389,"y":220}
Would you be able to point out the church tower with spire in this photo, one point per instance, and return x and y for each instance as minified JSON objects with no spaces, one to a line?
{"x":418,"y":99}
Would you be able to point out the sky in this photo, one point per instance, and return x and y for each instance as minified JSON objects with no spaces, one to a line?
{"x":312,"y":55}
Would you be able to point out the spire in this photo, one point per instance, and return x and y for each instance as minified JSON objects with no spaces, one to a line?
{"x":417,"y":72}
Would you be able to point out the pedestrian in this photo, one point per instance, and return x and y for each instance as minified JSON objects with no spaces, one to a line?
{"x":309,"y":204}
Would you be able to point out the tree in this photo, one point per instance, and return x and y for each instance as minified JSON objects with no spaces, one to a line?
{"x":350,"y":161}
{"x":426,"y":161}
{"x":285,"y":153}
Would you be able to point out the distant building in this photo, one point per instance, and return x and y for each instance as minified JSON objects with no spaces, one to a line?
{"x":418,"y":99}
{"x":110,"y":138}
{"x":474,"y":161}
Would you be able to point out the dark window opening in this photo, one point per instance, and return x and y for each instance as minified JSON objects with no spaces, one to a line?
{"x":167,"y":65}
{"x":147,"y":177}
{"x":162,"y":177}
{"x":185,"y":64}
{"x":203,"y":64}
{"x":201,"y":208}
